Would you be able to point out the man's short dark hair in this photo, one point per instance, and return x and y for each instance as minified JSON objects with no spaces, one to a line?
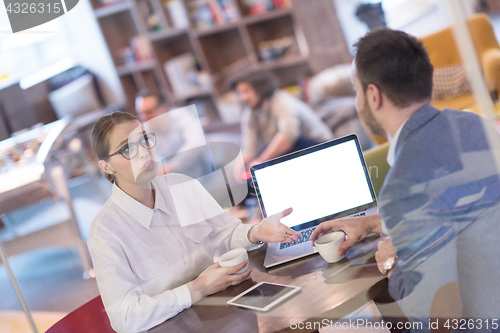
{"x":148,"y":93}
{"x":264,"y":83}
{"x":396,"y":63}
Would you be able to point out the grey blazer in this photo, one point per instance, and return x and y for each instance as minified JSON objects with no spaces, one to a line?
{"x":440,"y":204}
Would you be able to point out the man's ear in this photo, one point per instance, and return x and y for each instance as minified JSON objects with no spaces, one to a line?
{"x":105,"y":166}
{"x":374,"y":96}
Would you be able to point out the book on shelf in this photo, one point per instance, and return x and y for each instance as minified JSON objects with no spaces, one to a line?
{"x":149,"y":15}
{"x":138,"y":51}
{"x":216,"y":11}
{"x":282,"y":3}
{"x":141,"y":47}
{"x":182,"y":74}
{"x":257,"y":7}
{"x":177,"y":13}
{"x":207,"y":13}
{"x":229,"y":10}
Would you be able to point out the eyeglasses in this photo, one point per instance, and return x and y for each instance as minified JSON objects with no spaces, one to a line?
{"x":130,"y":150}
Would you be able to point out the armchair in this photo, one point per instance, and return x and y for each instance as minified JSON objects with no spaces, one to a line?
{"x":443,"y":53}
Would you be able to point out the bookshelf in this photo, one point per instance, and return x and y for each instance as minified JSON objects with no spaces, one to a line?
{"x":186,"y":49}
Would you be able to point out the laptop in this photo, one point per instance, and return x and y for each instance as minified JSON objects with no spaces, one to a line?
{"x":321,"y":183}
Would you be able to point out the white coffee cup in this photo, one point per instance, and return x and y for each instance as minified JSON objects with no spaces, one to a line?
{"x":328,"y":245}
{"x":233,"y":258}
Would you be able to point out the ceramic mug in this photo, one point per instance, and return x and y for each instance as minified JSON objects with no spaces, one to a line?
{"x":328,"y":245}
{"x":233,"y":258}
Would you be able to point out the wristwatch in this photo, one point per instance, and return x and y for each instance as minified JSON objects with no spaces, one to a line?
{"x":389,"y":265}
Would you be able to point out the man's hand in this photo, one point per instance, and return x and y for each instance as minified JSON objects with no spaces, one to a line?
{"x":385,"y":251}
{"x":215,"y":278}
{"x":279,"y":145}
{"x":356,"y":229}
{"x":271,"y":230}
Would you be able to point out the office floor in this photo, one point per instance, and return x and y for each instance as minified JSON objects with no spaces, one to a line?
{"x":51,"y":278}
{"x":15,"y":321}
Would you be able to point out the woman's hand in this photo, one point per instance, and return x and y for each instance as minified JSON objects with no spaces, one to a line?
{"x":271,"y":230}
{"x":356,"y":229}
{"x":215,"y":278}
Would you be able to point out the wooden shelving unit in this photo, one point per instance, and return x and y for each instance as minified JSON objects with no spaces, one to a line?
{"x":155,"y":36}
{"x":219,"y":50}
{"x":112,"y":9}
{"x":276,"y":13}
{"x":135,"y":67}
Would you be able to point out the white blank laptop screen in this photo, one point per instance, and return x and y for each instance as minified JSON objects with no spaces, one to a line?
{"x":315,"y":185}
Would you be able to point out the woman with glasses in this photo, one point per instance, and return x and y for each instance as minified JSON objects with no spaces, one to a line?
{"x":149,"y":263}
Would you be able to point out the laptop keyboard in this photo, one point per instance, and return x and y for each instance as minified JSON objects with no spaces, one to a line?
{"x":306,"y":234}
{"x":304,"y":238}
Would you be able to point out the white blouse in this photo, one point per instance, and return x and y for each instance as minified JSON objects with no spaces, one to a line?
{"x":144,"y":257}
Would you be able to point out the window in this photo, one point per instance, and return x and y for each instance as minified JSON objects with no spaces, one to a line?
{"x":29,"y":51}
{"x":399,"y":13}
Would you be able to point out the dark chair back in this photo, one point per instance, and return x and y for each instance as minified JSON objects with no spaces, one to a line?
{"x":89,"y":318}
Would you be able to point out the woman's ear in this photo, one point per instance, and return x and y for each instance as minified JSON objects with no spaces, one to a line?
{"x":105,"y":167}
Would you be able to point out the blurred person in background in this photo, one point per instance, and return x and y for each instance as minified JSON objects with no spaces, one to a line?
{"x":181,"y":144}
{"x":274,"y":122}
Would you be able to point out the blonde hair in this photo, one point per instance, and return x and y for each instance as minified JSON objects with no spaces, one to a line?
{"x":99,"y":137}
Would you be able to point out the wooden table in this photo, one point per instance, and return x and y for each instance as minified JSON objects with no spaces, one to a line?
{"x":324,"y":294}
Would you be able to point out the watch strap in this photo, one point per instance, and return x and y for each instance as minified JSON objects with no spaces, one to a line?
{"x":388,"y":266}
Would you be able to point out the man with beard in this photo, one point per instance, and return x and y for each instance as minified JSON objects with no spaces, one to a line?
{"x":181,"y":144}
{"x":439,"y":204}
